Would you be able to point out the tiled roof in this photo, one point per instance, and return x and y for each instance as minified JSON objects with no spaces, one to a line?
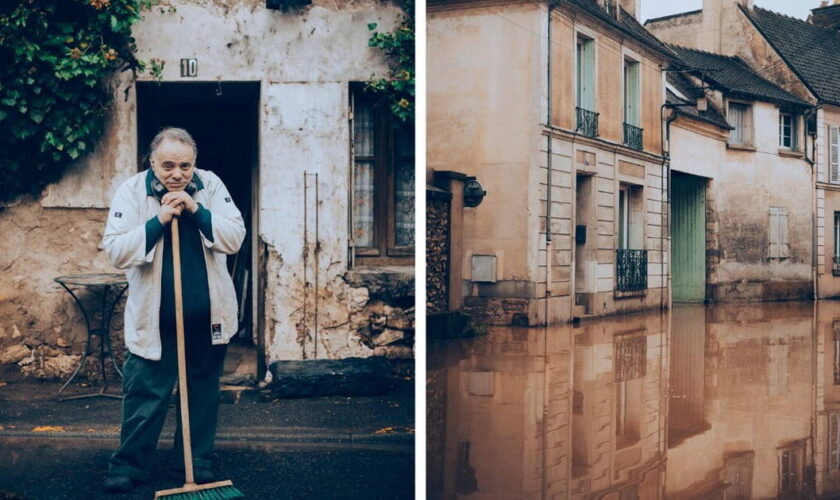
{"x":626,"y":23}
{"x":734,"y":76}
{"x":685,"y":87}
{"x":813,"y":52}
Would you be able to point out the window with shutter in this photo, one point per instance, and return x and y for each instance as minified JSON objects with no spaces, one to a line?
{"x":586,"y":73}
{"x":834,"y":154}
{"x":631,"y":92}
{"x":740,"y":117}
{"x":833,"y":441}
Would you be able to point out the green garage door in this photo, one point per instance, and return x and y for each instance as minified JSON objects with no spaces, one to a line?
{"x":688,"y":226}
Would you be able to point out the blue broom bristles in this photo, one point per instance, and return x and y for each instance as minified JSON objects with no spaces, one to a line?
{"x":222,"y":493}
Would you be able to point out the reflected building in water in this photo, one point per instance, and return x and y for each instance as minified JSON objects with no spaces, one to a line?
{"x":718,"y":401}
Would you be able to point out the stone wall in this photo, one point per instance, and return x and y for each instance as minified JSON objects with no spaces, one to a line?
{"x":437,"y":252}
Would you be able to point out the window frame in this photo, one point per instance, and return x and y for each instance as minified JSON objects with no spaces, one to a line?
{"x":583,"y":41}
{"x":747,"y":125}
{"x":793,"y":132}
{"x":629,"y":61}
{"x":384,"y":251}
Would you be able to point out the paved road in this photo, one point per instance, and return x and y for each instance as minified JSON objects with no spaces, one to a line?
{"x":53,"y":468}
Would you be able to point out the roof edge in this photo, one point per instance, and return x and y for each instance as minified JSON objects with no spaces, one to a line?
{"x":673,"y":16}
{"x":778,"y":52}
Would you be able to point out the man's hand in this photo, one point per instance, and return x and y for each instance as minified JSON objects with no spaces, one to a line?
{"x":166,"y":213}
{"x":180,"y":199}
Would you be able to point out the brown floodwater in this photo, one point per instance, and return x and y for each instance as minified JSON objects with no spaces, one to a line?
{"x":719,"y":401}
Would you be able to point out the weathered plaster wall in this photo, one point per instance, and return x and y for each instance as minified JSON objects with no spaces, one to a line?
{"x":828,"y":202}
{"x":681,"y":30}
{"x":743,"y":186}
{"x":304,"y":60}
{"x":486,"y":78}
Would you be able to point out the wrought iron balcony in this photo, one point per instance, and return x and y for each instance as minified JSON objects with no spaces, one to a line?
{"x":835,"y":269}
{"x":587,"y":122}
{"x":633,"y":137}
{"x":631,"y":269}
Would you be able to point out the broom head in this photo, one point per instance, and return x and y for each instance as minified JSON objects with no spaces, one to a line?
{"x":221,"y":490}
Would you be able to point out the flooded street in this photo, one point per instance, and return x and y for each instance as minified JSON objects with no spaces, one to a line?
{"x":723,"y":401}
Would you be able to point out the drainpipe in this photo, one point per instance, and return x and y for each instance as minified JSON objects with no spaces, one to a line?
{"x":548,"y":171}
{"x":812,"y":161}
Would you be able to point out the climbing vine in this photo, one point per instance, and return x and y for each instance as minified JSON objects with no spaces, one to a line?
{"x":55,"y":60}
{"x":398,"y":45}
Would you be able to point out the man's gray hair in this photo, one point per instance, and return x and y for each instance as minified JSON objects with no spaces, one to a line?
{"x":175,"y":134}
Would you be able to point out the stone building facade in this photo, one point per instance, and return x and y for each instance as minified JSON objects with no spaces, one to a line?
{"x":560,"y":123}
{"x":274,"y":100}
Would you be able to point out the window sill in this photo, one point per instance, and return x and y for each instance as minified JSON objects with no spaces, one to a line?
{"x":740,"y":147}
{"x":790,"y":153}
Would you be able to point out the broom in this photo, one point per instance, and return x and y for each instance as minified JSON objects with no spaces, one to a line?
{"x":220,"y":490}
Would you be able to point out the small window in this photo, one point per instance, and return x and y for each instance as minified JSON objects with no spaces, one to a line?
{"x":383,"y":183}
{"x":787,"y":131}
{"x":740,"y":117}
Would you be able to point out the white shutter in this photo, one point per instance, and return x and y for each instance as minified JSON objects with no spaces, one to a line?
{"x":833,"y":445}
{"x":784,"y":244}
{"x":773,"y":236}
{"x":833,"y":156}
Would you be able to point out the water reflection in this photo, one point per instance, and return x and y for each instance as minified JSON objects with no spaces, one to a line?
{"x":724,"y":401}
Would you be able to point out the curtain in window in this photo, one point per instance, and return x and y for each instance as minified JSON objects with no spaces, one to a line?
{"x":363,"y":163}
{"x":738,"y":119}
{"x":404,"y":188}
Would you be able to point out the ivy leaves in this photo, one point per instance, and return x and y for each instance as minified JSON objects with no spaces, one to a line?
{"x":398,"y":46}
{"x":55,"y":57}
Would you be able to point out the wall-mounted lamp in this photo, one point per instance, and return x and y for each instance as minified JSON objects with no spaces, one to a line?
{"x":474,"y":193}
{"x":702,"y":103}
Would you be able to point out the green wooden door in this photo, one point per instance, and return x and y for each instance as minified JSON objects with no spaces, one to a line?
{"x":688,"y":226}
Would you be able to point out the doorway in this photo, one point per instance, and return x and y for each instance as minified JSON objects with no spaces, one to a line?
{"x":222,"y":117}
{"x":688,"y":268}
{"x":585,"y":242}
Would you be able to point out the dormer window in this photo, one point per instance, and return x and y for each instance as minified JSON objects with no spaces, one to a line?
{"x":739,"y":115}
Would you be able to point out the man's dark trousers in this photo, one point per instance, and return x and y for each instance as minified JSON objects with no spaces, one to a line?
{"x":147,"y":389}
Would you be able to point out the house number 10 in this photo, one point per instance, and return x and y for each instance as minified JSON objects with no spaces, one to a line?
{"x":189,"y":67}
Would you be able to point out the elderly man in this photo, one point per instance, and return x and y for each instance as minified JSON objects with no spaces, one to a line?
{"x":138,"y":238}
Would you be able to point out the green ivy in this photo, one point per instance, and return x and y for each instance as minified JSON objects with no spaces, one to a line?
{"x":398,"y":46}
{"x":55,"y":59}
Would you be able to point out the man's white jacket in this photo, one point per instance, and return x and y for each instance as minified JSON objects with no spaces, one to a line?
{"x":125,"y":243}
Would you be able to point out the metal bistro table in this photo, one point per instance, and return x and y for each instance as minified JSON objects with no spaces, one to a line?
{"x":107,"y":282}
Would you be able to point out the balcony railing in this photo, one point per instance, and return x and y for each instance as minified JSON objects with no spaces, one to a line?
{"x":587,"y":122}
{"x":835,"y":269}
{"x":631,"y":269}
{"x":633,"y":137}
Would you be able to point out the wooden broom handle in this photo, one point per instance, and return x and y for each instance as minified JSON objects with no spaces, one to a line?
{"x":182,"y":356}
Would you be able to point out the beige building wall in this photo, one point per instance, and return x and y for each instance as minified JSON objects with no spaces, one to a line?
{"x":742,"y":187}
{"x":828,"y":202}
{"x":483,"y":112}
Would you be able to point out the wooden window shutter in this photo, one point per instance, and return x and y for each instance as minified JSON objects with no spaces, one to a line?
{"x":784,"y":243}
{"x":773,"y":236}
{"x":833,"y":155}
{"x":833,"y":445}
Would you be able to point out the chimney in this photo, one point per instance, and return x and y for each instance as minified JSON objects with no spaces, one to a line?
{"x":633,"y":7}
{"x":720,"y":18}
{"x":827,"y":15}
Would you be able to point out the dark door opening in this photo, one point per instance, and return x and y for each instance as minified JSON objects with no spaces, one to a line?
{"x":222,"y":117}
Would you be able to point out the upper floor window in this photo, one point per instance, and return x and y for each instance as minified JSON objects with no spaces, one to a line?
{"x":383,"y":183}
{"x":585,"y":77}
{"x":787,"y":131}
{"x":740,"y":117}
{"x":631,"y":92}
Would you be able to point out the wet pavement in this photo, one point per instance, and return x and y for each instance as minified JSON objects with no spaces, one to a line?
{"x":327,"y":447}
{"x":723,"y":401}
